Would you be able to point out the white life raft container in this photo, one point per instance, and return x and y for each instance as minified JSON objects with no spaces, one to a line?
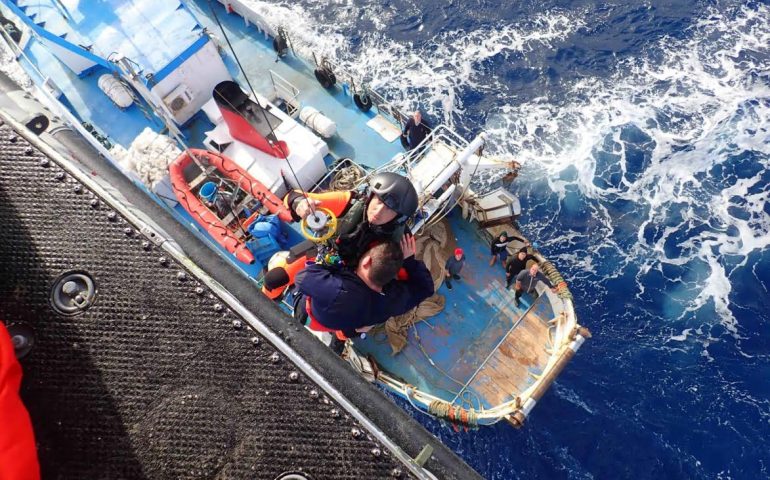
{"x":316,"y":120}
{"x":113,"y":88}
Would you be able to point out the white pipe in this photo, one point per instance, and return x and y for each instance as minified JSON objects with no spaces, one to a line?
{"x":577,"y":343}
{"x":461,"y":161}
{"x":438,"y":204}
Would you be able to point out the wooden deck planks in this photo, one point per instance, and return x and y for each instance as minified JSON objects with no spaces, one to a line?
{"x":506,"y":373}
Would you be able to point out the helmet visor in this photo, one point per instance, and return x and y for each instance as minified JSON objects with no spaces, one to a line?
{"x":388,"y":200}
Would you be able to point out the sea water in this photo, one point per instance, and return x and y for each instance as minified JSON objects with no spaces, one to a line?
{"x":644,"y":131}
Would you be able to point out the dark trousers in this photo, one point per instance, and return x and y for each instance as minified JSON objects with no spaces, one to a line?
{"x":300,"y":315}
{"x":448,"y":280}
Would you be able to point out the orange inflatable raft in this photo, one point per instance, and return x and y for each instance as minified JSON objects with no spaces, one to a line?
{"x":184,"y":169}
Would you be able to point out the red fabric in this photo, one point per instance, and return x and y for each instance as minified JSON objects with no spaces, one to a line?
{"x":18,"y":457}
{"x":317,"y":327}
{"x":314,"y":325}
{"x":240,"y":129}
{"x":402,"y":274}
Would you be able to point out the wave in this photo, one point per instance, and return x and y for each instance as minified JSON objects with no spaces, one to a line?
{"x":677,"y":143}
{"x":431,"y":75}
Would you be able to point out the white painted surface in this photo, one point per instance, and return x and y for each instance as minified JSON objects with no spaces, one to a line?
{"x":306,"y":152}
{"x":75,"y":62}
{"x":199,"y":74}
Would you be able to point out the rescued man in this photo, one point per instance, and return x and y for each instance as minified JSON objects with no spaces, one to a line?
{"x":350,"y":300}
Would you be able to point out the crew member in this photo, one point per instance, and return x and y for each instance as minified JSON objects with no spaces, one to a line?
{"x":415,"y":131}
{"x":339,"y":298}
{"x":18,"y":456}
{"x":527,"y":280}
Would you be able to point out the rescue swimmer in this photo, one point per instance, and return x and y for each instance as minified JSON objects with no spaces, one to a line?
{"x":376,"y":214}
{"x":355,"y":287}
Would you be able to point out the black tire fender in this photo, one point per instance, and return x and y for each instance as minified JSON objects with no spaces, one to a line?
{"x":325,"y":77}
{"x":363,"y":102}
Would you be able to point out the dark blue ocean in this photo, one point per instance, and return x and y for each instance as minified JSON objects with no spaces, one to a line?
{"x":644,"y":131}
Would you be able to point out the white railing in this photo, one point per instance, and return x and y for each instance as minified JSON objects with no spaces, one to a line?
{"x":286,"y":91}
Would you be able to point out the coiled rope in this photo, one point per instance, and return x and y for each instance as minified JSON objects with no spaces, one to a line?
{"x":346,"y":178}
{"x":556,"y":279}
{"x":441,"y":409}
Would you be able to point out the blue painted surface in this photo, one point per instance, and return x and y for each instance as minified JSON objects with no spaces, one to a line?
{"x":130,"y":27}
{"x":91,"y":104}
{"x":49,"y":22}
{"x":181,"y":58}
{"x":479,"y":312}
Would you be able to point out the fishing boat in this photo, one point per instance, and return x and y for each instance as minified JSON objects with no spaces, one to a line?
{"x":162,"y":91}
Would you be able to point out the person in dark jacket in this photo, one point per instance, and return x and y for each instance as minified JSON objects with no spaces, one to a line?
{"x":378,"y":214}
{"x":354,"y":300}
{"x":499,"y":247}
{"x":527,"y":280}
{"x":415,"y":130}
{"x":453,"y":266}
{"x":516,"y":265}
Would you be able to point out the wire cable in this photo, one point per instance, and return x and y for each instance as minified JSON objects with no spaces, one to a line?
{"x":262,"y":109}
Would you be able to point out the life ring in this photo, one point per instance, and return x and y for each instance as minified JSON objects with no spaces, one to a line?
{"x":363,"y":102}
{"x":325,"y":77}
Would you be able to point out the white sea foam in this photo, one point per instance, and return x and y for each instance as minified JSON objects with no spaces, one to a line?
{"x":715,"y":96}
{"x":569,"y":395}
{"x":429,"y":76}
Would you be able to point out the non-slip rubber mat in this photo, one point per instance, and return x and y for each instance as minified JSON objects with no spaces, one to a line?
{"x":157,"y":378}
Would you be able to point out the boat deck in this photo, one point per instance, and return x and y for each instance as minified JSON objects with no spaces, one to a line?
{"x":85,"y":98}
{"x":354,"y":139}
{"x":475,"y":340}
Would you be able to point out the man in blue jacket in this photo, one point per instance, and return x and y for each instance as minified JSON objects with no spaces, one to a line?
{"x":351,"y":301}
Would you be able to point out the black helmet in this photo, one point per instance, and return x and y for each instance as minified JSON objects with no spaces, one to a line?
{"x":396,"y":192}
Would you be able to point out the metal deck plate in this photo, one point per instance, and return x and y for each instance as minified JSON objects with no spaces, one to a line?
{"x":154,"y":379}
